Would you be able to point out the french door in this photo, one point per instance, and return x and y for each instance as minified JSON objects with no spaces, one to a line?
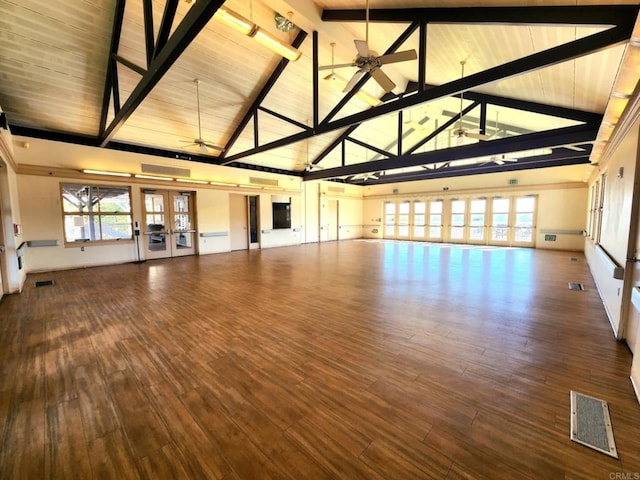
{"x":169,"y":229}
{"x":389,"y":220}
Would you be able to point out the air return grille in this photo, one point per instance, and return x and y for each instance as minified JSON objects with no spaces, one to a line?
{"x":336,"y":189}
{"x":263,"y":181}
{"x":164,"y":170}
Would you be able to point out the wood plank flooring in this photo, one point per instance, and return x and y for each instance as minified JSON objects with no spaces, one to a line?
{"x":350,"y":360}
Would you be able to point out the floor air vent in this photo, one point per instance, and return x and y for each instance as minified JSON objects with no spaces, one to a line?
{"x":573,"y":259}
{"x":575,"y":286}
{"x":591,"y":424}
{"x":43,"y":283}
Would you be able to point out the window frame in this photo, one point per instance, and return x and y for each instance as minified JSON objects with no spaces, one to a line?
{"x":94,"y":216}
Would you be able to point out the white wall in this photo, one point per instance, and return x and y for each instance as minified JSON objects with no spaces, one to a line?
{"x":212,"y":210}
{"x":13,"y":276}
{"x":39,"y":199}
{"x":561,"y":211}
{"x":615,"y":234}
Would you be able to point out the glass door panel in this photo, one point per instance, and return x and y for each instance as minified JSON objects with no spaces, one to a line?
{"x":524,"y":226}
{"x":419,"y":220}
{"x":476,"y":220}
{"x":155,"y":228}
{"x":435,"y":220}
{"x":182,"y":234}
{"x":389,"y":220}
{"x":500,"y":220}
{"x":458,"y":208}
{"x":404,"y":216}
{"x":168,"y":229}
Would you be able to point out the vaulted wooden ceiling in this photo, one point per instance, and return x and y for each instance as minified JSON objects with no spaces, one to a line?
{"x":538,"y":78}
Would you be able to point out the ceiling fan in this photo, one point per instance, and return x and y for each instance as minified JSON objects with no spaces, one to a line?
{"x":369,"y":62}
{"x":199,"y":142}
{"x":499,"y":159}
{"x":308,"y":165}
{"x":365,"y":176}
{"x":461,"y":133}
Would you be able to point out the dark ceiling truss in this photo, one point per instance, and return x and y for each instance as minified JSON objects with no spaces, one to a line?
{"x":252,"y":112}
{"x":317,"y":127}
{"x":91,"y":141}
{"x":111,"y":78}
{"x":164,"y":50}
{"x":193,"y":22}
{"x":546,"y":15}
{"x":577,"y":134}
{"x":620,"y":19}
{"x":349,"y":95}
{"x":542,"y":161}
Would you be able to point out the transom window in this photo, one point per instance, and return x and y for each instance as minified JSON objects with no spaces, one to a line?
{"x":96,"y":213}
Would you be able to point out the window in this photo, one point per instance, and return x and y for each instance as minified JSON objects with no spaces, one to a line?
{"x":476,"y":220}
{"x":593,"y":211}
{"x":404,"y":210}
{"x":525,"y":207}
{"x":419,"y":211}
{"x":457,"y":219}
{"x":389,"y":219}
{"x":435,"y":219}
{"x":500,"y":220}
{"x":95,"y":213}
{"x":598,"y":226}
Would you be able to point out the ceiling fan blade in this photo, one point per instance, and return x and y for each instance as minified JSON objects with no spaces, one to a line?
{"x":363,"y":48}
{"x":356,"y":76}
{"x":340,"y":65}
{"x":398,"y":57}
{"x":383,"y":79}
{"x":213,"y":147}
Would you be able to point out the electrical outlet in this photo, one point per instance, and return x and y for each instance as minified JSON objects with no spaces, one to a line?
{"x":82,"y":249}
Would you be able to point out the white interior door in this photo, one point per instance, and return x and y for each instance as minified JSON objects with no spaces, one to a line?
{"x":239,"y":222}
{"x":332,"y":218}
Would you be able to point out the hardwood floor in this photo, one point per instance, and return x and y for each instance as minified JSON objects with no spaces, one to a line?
{"x":350,"y":360}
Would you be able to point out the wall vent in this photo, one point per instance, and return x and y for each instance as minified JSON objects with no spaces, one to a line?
{"x":165,"y":170}
{"x":264,"y":181}
{"x":336,"y":189}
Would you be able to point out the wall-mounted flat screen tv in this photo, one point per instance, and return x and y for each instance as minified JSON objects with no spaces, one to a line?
{"x":281,"y":215}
